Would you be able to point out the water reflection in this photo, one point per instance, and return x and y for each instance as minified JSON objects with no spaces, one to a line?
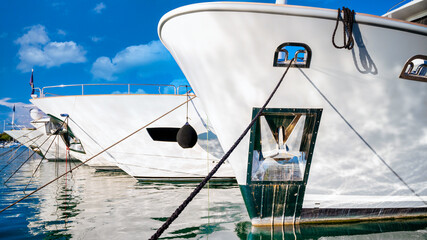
{"x":112,"y":205}
{"x":393,"y":229}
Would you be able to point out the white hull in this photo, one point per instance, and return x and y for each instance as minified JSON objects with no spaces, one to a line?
{"x":37,"y":140}
{"x":102,"y":120}
{"x":226,"y":51}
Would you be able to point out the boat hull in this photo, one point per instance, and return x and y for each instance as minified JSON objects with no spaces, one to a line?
{"x":102,"y":120}
{"x":371,"y":144}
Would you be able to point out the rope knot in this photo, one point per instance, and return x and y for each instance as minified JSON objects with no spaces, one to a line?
{"x":347,"y":19}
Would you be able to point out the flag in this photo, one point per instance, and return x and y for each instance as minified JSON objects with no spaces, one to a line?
{"x":32,"y":82}
{"x":13,"y":115}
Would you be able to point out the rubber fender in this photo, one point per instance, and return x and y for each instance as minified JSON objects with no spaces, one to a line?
{"x":186,"y":136}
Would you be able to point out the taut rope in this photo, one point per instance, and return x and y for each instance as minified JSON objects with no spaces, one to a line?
{"x":121,"y":140}
{"x":213,"y":171}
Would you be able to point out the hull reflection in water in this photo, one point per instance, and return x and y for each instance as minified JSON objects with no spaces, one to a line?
{"x":409,"y":229}
{"x":106,"y":205}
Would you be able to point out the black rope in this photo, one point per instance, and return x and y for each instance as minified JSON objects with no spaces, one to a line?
{"x":347,"y":21}
{"x":209,"y":176}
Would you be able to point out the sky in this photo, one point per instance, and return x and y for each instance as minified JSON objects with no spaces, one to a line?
{"x":85,"y":42}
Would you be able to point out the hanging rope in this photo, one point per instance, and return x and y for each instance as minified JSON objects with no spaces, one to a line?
{"x":186,"y":116}
{"x":213,"y":171}
{"x":347,"y":22}
{"x":82,"y":163}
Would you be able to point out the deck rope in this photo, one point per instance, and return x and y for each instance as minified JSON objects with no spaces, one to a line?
{"x":181,"y":208}
{"x":99,"y":153}
{"x":347,"y":21}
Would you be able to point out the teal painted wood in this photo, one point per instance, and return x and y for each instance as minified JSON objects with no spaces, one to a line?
{"x":277,"y":200}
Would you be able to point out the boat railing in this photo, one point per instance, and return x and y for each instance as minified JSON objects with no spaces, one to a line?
{"x":109,"y":88}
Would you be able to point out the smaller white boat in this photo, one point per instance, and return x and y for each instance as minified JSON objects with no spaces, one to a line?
{"x":154,"y":153}
{"x":47,"y":138}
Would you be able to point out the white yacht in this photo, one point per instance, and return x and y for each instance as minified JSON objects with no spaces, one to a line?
{"x":344,"y":138}
{"x":45,"y":138}
{"x":153,"y":154}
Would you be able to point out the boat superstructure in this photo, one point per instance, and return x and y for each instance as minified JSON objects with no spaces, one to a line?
{"x":343,"y":138}
{"x":153,"y":154}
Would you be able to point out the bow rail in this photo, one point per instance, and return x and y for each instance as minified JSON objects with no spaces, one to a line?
{"x":108,"y":88}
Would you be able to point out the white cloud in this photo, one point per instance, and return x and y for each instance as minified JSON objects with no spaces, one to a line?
{"x":22,"y":116}
{"x":36,"y":49}
{"x":36,"y":35}
{"x":61,"y":32}
{"x":5,"y":102}
{"x":96,"y":39}
{"x":103,"y":68}
{"x":139,"y":91}
{"x":99,"y":7}
{"x":141,"y":57}
{"x":179,"y":84}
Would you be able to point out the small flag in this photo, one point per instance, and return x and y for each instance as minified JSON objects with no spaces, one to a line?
{"x":32,"y":82}
{"x":13,"y":115}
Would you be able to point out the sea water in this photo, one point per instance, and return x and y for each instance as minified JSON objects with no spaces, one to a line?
{"x":87,"y":204}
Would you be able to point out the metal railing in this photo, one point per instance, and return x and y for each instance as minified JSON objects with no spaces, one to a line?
{"x":42,"y":92}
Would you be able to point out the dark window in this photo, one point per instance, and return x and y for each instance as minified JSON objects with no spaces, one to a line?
{"x":164,"y":134}
{"x":287,"y":51}
{"x":415,"y":69}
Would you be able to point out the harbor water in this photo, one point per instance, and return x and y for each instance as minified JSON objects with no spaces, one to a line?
{"x":88,"y":204}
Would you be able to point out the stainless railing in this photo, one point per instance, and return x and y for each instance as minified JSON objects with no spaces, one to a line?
{"x":176,"y":90}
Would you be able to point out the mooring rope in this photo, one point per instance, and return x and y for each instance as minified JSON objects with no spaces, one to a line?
{"x":43,"y":157}
{"x":38,"y":166}
{"x":23,"y":135}
{"x":9,"y":161}
{"x":99,"y":153}
{"x":215,"y":169}
{"x":10,"y":150}
{"x":362,"y":138}
{"x":347,"y":21}
{"x":25,"y":162}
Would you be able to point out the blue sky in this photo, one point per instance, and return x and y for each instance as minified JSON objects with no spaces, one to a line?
{"x":82,"y":41}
